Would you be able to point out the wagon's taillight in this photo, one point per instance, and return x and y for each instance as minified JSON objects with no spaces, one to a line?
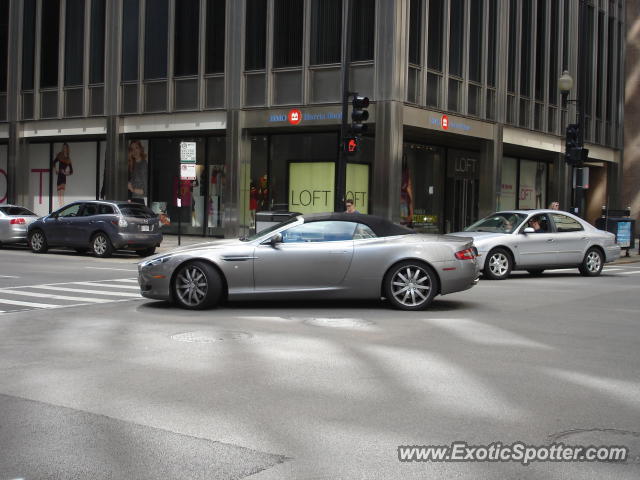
{"x":17,"y":221}
{"x":466,"y":254}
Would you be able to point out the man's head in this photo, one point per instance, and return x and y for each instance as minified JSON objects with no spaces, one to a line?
{"x":350,"y":207}
{"x":554,"y":206}
{"x":535,"y":223}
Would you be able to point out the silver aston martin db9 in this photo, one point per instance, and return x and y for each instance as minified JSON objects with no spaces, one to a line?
{"x":333,"y":255}
{"x":535,"y":240}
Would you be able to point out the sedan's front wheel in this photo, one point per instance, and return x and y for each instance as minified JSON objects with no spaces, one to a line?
{"x":38,"y":242}
{"x":196,"y":286}
{"x":410,"y":285}
{"x":498,"y":265}
{"x":592,"y":264}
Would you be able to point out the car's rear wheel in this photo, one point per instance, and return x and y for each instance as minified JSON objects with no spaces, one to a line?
{"x":410,"y":285}
{"x":196,"y":286}
{"x":101,"y":245}
{"x":38,"y":242}
{"x":146,"y":252}
{"x":535,"y":272}
{"x":592,"y":264}
{"x":499,"y":264}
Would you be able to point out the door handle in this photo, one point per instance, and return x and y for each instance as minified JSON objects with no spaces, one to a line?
{"x":549,"y":239}
{"x":338,"y":252}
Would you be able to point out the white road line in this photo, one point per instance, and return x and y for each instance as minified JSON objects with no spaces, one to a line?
{"x":608,"y":269}
{"x":630,"y":273}
{"x":107,"y":268}
{"x":28,"y":304}
{"x":560,"y":270}
{"x":96,"y":284}
{"x":8,"y":276}
{"x":128,"y":280}
{"x":54,"y":297}
{"x":81,"y":290}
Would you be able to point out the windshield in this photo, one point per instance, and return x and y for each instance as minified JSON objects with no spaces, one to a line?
{"x":135,"y":210}
{"x":267,"y":231}
{"x":504,"y":222}
{"x":16,"y":211}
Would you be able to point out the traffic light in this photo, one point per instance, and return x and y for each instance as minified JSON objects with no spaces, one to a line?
{"x":351,"y":145}
{"x":575,"y":154}
{"x":359,"y":114}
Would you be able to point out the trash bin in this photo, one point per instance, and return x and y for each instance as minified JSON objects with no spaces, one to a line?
{"x":268,"y":219}
{"x":621,"y":225}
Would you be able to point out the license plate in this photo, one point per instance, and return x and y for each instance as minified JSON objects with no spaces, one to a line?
{"x":144,"y":228}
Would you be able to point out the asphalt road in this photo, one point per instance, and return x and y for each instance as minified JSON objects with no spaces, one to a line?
{"x":96,"y":382}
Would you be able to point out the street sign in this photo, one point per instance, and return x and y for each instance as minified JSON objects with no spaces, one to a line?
{"x":188,"y":152}
{"x":187,"y":171}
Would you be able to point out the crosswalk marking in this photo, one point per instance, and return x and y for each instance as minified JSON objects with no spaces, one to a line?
{"x":28,"y":304}
{"x":630,"y":273}
{"x":82,"y":290}
{"x":96,"y":284}
{"x":131,"y":280}
{"x":53,"y":296}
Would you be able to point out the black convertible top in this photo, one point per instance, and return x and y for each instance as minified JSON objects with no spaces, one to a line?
{"x":380,"y":226}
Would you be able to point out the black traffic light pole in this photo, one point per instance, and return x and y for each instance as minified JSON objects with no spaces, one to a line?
{"x":580,"y":105}
{"x":341,"y":177}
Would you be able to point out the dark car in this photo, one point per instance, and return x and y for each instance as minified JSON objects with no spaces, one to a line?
{"x":99,"y":226}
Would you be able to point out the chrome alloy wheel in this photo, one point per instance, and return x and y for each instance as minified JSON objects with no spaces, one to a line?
{"x":411,"y":285}
{"x":100,"y":245}
{"x":499,"y":264}
{"x":593,"y":262}
{"x":191,"y":286}
{"x":37,"y":241}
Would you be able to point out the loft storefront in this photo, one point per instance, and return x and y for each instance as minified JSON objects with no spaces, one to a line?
{"x":294,"y":164}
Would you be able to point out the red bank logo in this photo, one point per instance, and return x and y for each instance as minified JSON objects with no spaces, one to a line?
{"x":444,"y":122}
{"x":295,"y":116}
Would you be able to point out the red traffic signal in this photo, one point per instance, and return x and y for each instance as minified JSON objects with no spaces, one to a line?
{"x":351,"y":145}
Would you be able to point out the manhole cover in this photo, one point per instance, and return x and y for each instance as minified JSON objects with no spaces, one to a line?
{"x":602,"y":437}
{"x":338,"y":322}
{"x":211,"y":337}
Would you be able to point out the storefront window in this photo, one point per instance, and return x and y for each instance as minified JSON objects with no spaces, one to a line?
{"x":74,"y":169}
{"x":421,"y":192}
{"x":508,"y":184}
{"x":216,"y":163}
{"x":533,"y":184}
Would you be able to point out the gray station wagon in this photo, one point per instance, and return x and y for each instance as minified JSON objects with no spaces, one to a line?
{"x":99,"y":226}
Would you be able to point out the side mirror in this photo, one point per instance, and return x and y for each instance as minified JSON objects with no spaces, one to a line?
{"x":528,"y":230}
{"x":276,"y":239}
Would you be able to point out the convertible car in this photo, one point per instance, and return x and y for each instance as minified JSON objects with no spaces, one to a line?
{"x":535,"y":240}
{"x":335,"y":255}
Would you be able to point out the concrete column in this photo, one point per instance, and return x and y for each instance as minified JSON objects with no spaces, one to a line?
{"x":490,"y":173}
{"x":392,"y":27}
{"x":115,"y":156}
{"x":238,"y":146}
{"x":17,"y":164}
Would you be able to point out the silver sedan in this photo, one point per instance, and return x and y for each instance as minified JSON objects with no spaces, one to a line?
{"x":315,"y":256}
{"x":535,"y":240}
{"x":14,"y":221}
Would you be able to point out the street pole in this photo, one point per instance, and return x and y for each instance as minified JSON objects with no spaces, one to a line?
{"x":341,"y":177}
{"x":583,"y":49}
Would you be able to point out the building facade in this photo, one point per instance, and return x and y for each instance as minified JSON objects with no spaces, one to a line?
{"x":96,"y":97}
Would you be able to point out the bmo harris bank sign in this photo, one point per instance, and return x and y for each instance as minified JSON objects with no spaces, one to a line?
{"x":295,"y":117}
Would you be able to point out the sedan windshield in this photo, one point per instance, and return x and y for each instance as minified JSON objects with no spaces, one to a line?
{"x":504,"y":222}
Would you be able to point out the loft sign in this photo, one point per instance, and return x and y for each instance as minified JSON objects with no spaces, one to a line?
{"x":295,"y":117}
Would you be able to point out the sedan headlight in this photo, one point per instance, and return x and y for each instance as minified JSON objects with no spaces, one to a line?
{"x":156,"y":261}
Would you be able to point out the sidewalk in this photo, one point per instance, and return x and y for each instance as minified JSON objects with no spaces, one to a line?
{"x":171,"y":241}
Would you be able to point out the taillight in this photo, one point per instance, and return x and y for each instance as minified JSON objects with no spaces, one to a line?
{"x":122,"y":223}
{"x":17,"y":221}
{"x":466,"y":254}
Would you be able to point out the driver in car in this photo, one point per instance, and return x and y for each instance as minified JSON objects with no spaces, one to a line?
{"x":535,"y":224}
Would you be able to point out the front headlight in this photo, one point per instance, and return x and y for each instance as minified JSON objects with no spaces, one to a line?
{"x":155,"y":261}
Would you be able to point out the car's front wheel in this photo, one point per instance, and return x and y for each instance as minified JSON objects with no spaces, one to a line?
{"x":498,"y":264}
{"x":410,"y":285}
{"x":101,"y":245}
{"x":592,"y":263}
{"x":38,"y":242}
{"x":196,"y":286}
